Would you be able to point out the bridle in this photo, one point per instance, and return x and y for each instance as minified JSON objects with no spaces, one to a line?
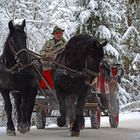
{"x":18,"y":65}
{"x":16,"y":53}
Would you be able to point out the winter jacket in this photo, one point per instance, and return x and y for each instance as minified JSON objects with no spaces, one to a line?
{"x":52,"y":48}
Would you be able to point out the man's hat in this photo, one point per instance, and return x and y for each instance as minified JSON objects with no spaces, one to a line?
{"x":56,"y":29}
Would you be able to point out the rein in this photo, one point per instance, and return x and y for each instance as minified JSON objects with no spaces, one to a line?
{"x":85,"y":72}
{"x":68,"y":69}
{"x":34,"y":54}
{"x":64,"y":69}
{"x":58,"y":64}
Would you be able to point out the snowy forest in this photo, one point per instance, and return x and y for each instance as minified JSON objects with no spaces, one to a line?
{"x":117,"y":21}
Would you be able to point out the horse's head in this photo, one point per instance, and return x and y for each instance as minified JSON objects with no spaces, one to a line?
{"x":93,"y":57}
{"x":15,"y":46}
{"x":84,"y":53}
{"x":94,"y":54}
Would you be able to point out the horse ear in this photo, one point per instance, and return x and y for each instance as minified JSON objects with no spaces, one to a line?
{"x":11,"y":26}
{"x":23,"y":24}
{"x":104,"y":43}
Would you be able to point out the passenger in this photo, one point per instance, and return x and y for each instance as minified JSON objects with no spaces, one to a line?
{"x":49,"y":52}
{"x":53,"y":46}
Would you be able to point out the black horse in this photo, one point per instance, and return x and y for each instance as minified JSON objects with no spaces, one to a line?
{"x":19,"y":75}
{"x":74,"y":71}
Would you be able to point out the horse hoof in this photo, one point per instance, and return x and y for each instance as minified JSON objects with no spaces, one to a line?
{"x":82,"y":124}
{"x":11,"y":133}
{"x":70,"y":127}
{"x":82,"y":127}
{"x":61,"y":122}
{"x":75,"y":134}
{"x":23,"y":128}
{"x":17,"y":127}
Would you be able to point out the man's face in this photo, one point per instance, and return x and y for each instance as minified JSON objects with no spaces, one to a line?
{"x":58,"y":35}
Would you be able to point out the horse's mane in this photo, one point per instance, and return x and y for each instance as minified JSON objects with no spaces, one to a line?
{"x":77,"y":48}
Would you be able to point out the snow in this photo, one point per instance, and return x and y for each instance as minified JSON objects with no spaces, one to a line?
{"x":40,"y":97}
{"x":131,"y":107}
{"x":103,"y":32}
{"x":127,"y":116}
{"x":109,"y":22}
{"x":137,"y":58}
{"x":111,"y":50}
{"x":92,"y":5}
{"x":131,"y":32}
{"x":84,"y":16}
{"x":136,"y":62}
{"x":18,"y":21}
{"x":124,"y":96}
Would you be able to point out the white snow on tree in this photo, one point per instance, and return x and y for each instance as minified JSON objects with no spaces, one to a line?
{"x":129,"y":34}
{"x":136,"y":62}
{"x":103,"y":33}
{"x":104,"y":19}
{"x":123,"y":96}
{"x":111,"y":50}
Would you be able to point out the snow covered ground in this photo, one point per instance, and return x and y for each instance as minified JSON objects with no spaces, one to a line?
{"x":124,"y":117}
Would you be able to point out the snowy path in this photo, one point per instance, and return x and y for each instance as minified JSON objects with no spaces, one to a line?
{"x":129,"y":129}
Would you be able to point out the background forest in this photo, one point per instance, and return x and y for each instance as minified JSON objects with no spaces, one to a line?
{"x":118,"y":21}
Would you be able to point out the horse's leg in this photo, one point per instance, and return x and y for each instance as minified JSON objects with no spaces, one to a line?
{"x":31,"y":104}
{"x":24,"y":124}
{"x":79,"y":118}
{"x":17,"y":98}
{"x":8,"y":108}
{"x":70,"y":104}
{"x":61,"y":121}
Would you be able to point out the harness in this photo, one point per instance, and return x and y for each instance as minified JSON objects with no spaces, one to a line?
{"x":18,"y":65}
{"x":61,"y":69}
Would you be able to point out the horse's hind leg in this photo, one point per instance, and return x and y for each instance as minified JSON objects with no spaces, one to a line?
{"x":70,"y":104}
{"x":79,"y":118}
{"x":8,"y":108}
{"x":61,"y":121}
{"x":31,"y":104}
